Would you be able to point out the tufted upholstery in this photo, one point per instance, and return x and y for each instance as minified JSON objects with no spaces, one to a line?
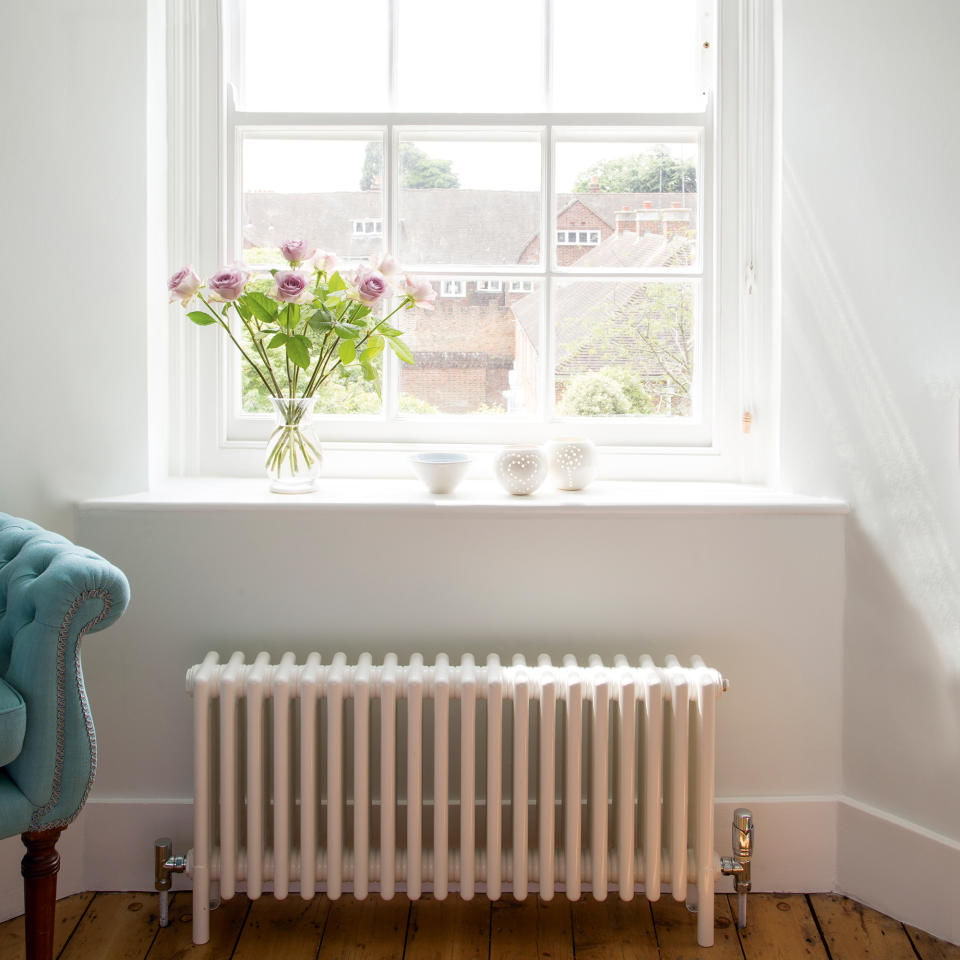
{"x":51,"y":594}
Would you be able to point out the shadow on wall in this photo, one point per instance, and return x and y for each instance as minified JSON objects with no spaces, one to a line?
{"x":902,"y":620}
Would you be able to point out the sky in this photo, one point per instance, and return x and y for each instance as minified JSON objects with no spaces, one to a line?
{"x":331,"y":55}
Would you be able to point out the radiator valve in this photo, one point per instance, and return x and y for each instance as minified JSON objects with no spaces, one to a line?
{"x":738,"y":866}
{"x":165,"y":864}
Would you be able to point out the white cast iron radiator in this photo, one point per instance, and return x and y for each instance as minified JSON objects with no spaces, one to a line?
{"x":468,"y":778}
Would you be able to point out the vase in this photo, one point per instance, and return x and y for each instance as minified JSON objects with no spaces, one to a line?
{"x":293,"y":451}
{"x":520,"y":470}
{"x":572,"y":462}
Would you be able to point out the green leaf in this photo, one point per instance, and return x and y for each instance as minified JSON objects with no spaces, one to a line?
{"x":298,"y":353}
{"x":369,"y":373}
{"x":201,"y":319}
{"x":319,"y":325}
{"x":361,"y":311}
{"x":286,"y":318}
{"x":347,"y":350}
{"x":278,"y":341}
{"x":261,"y":306}
{"x":402,"y":351}
{"x":240,"y":308}
{"x":348,"y":331}
{"x":389,"y":331}
{"x":336,"y":282}
{"x":373,"y":348}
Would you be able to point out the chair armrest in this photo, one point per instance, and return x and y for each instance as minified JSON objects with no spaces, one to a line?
{"x":52,"y":594}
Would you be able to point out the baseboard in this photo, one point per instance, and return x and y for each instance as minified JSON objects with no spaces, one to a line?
{"x":898,"y":868}
{"x":810,"y":844}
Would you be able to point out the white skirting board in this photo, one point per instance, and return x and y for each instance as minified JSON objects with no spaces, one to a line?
{"x":810,"y":844}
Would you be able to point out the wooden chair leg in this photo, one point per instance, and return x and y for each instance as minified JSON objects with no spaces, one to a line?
{"x":39,"y":867}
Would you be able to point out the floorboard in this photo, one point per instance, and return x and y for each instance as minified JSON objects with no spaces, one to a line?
{"x":290,"y":928}
{"x":176,"y":941}
{"x":531,"y":928}
{"x":613,"y":928}
{"x":779,"y":927}
{"x":930,"y":948}
{"x":452,"y":929}
{"x":855,"y":932}
{"x":368,"y":929}
{"x":118,"y":926}
{"x":676,"y":930}
{"x":69,"y":912}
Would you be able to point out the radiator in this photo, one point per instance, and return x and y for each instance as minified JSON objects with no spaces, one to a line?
{"x":454,"y":778}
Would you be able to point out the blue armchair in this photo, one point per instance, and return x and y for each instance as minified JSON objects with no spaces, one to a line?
{"x":52,"y":593}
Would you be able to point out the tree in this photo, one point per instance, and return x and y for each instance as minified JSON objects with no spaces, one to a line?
{"x":418,"y":170}
{"x":653,"y":172}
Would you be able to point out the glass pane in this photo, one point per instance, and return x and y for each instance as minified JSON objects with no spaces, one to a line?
{"x":641,"y":197}
{"x":624,"y":348}
{"x":462,"y":57}
{"x":319,"y":191}
{"x":476,"y":353}
{"x":298,"y":56}
{"x":469,"y":201}
{"x":626,"y":55}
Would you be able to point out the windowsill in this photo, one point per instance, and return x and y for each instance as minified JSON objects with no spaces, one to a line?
{"x":474,"y":496}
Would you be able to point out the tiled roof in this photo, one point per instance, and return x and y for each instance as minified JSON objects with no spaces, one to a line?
{"x":437,"y":226}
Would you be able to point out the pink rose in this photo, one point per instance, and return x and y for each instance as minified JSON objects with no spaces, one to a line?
{"x":370,"y":285}
{"x":228,"y":283}
{"x":291,"y":287}
{"x":295,"y":252}
{"x":325,"y":262}
{"x":420,"y":291}
{"x":385,"y":264}
{"x":183,"y":285}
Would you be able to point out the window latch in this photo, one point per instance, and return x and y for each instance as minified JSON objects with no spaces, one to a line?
{"x":749,"y":277}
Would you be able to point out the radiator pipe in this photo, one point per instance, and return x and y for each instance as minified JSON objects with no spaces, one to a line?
{"x":165,"y":864}
{"x":738,"y":866}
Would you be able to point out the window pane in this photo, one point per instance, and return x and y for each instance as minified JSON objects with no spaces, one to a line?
{"x":649,"y":52}
{"x":472,"y":354}
{"x":641,"y":197}
{"x":469,"y":201}
{"x":624,"y":348}
{"x":460,"y":57}
{"x":309,"y":190}
{"x":294,"y":55}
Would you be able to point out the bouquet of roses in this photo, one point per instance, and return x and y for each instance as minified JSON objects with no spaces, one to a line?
{"x":307,"y":322}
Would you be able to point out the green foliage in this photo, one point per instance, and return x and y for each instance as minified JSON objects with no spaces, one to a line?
{"x":594,"y":394}
{"x":418,"y":170}
{"x":653,"y":172}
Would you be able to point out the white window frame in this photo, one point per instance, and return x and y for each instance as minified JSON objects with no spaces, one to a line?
{"x":489,"y":285}
{"x":447,"y":284}
{"x":521,"y":286}
{"x":377,"y":231}
{"x":213,"y":437}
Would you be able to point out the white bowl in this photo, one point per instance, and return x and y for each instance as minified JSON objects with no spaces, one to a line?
{"x":440,"y":472}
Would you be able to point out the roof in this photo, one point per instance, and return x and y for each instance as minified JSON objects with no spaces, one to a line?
{"x":456,"y":226}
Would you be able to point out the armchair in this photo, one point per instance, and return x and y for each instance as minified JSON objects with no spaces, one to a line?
{"x":52,"y":593}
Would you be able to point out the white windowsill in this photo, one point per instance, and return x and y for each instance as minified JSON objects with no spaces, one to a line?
{"x":474,"y":496}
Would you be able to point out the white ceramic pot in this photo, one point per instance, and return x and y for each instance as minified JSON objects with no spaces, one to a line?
{"x":520,"y":470}
{"x":572,"y":462}
{"x":440,"y":472}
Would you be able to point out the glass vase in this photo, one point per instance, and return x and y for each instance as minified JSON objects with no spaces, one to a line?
{"x":293,"y":451}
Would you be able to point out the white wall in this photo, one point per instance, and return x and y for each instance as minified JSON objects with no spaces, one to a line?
{"x":74,"y":252}
{"x":871,"y":376}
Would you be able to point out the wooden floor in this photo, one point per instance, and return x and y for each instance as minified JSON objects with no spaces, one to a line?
{"x":123,"y":926}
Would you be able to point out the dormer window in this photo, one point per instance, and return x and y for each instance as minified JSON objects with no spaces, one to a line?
{"x":368,"y":228}
{"x":452,"y":288}
{"x":521,"y":286}
{"x":489,"y":286}
{"x":579,"y":238}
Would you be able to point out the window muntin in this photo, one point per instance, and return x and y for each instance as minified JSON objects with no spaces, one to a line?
{"x":489,"y":286}
{"x":546,"y":142}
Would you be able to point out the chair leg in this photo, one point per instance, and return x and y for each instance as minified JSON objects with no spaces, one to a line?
{"x":39,"y":867}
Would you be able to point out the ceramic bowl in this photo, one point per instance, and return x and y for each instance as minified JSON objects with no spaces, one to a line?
{"x":440,"y":472}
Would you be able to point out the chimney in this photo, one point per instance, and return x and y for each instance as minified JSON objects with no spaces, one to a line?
{"x":627,"y":221}
{"x":647,"y":204}
{"x":594,"y":184}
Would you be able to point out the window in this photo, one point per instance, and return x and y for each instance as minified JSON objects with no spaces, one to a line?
{"x":580,"y":238}
{"x":452,"y":288}
{"x":593,"y":196}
